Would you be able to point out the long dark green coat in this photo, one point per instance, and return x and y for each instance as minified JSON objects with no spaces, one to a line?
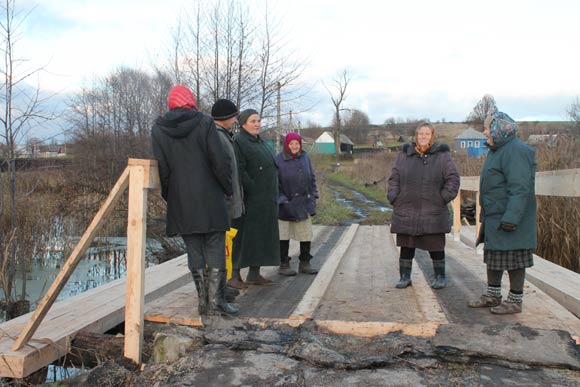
{"x":257,"y":242}
{"x":507,"y":194}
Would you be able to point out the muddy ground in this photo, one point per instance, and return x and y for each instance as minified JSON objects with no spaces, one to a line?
{"x":231,"y":353}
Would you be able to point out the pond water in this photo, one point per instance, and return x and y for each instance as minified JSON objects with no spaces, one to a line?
{"x":358,"y":203}
{"x":101,"y":264}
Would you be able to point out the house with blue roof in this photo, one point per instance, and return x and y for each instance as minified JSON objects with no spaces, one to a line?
{"x":472,"y":142}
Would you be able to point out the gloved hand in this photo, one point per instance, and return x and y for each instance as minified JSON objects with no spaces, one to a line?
{"x":507,"y":227}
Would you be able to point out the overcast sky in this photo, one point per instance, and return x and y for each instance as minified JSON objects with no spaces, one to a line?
{"x":408,"y":59}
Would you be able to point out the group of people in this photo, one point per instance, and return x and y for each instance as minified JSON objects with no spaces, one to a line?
{"x":212,"y":180}
{"x":424,"y":179}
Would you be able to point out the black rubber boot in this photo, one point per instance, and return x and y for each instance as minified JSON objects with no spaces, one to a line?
{"x":285,"y":260}
{"x":200,"y":280}
{"x":217,"y":304}
{"x":439,"y":281}
{"x":305,"y":257}
{"x":405,"y":267}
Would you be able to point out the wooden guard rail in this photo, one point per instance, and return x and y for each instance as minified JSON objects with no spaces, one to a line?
{"x":139,"y":176}
{"x":565,"y":182}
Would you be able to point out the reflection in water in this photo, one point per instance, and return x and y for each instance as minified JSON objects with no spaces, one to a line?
{"x":358,"y":204}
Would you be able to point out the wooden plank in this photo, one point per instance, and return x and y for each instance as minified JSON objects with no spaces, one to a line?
{"x":559,"y":283}
{"x":363,"y":287}
{"x":136,"y":241}
{"x":456,"y":205}
{"x":564,"y":182}
{"x":73,"y":261}
{"x":96,"y":310}
{"x":311,"y":299}
{"x":372,"y":328}
{"x":179,"y":307}
{"x":151,"y":177}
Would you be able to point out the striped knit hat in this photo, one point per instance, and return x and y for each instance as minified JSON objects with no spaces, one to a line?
{"x":181,"y":96}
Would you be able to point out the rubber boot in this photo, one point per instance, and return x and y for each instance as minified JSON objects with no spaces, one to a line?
{"x":231,"y":294}
{"x":439,"y":280}
{"x":305,"y":257}
{"x":405,"y":267}
{"x":200,"y":280}
{"x":285,"y":260}
{"x":285,"y":267}
{"x":217,"y":304}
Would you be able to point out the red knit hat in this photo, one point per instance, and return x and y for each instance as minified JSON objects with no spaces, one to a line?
{"x":289,"y":137}
{"x":181,"y":96}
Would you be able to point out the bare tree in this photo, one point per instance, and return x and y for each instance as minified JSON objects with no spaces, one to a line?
{"x":574,"y":113}
{"x":22,"y":107}
{"x":482,"y":109}
{"x":337,"y":96}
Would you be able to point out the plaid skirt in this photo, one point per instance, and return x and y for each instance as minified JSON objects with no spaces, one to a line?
{"x":508,"y":260}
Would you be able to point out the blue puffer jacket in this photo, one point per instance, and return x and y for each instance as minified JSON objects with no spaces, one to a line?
{"x":297,"y":192}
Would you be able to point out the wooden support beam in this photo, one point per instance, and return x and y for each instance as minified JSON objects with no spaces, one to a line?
{"x":72,"y":261}
{"x":136,"y":240}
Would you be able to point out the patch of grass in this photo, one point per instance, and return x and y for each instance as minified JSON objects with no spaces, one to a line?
{"x":378,"y":217}
{"x":370,"y":191}
{"x":329,"y":211}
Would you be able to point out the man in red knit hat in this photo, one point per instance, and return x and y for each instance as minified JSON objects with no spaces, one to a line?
{"x":196,"y":179}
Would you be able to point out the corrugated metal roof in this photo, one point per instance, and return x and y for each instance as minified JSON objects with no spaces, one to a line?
{"x":471,"y":134}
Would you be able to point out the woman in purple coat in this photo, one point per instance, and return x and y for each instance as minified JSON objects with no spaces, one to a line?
{"x":423,"y":181}
{"x":296,"y":203}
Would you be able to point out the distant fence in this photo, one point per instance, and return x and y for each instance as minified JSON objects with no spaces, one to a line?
{"x":565,"y":182}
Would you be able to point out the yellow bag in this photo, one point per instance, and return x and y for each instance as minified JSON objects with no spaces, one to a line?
{"x":230,"y":235}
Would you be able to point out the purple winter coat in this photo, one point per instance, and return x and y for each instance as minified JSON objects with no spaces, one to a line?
{"x":420,"y":187}
{"x":297,"y":187}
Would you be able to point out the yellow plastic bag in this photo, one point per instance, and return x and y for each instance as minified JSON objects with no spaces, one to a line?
{"x":230,"y":235}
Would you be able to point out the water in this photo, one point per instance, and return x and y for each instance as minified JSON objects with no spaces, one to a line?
{"x":359,"y":204}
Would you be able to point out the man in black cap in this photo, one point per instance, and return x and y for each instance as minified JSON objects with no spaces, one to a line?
{"x":225,"y":114}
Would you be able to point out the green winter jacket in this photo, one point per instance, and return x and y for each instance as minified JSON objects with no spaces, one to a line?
{"x":507,"y":194}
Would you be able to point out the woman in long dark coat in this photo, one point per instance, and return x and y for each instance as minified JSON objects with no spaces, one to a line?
{"x":257,"y":241}
{"x":508,"y":213}
{"x":423,"y":181}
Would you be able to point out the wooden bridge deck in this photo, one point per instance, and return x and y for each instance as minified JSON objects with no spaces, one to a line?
{"x":353,"y":293}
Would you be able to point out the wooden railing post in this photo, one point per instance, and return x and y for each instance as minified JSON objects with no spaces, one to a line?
{"x":72,"y":261}
{"x":456,"y":205}
{"x":142,"y":177}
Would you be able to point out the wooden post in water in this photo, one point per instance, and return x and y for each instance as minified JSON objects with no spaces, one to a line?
{"x":142,"y":177}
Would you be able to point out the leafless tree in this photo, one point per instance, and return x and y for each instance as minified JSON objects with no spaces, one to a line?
{"x":482,"y":109}
{"x":337,"y":96}
{"x":22,"y":107}
{"x":574,"y":113}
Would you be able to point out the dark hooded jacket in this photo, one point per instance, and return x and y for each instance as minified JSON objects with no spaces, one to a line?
{"x":507,"y":194}
{"x":194,"y":170}
{"x":420,"y":187}
{"x":297,"y":192}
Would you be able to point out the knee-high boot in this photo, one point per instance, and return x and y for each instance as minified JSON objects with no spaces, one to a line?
{"x":405,"y":267}
{"x":217,"y":304}
{"x":305,"y":257}
{"x":439,"y":280}
{"x":200,"y":280}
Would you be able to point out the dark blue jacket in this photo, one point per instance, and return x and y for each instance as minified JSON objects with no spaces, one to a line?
{"x":297,"y":190}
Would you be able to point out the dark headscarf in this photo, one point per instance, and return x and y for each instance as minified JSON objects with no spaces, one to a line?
{"x":501,"y":127}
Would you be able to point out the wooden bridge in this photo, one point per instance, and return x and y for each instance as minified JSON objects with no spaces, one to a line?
{"x":353,"y":293}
